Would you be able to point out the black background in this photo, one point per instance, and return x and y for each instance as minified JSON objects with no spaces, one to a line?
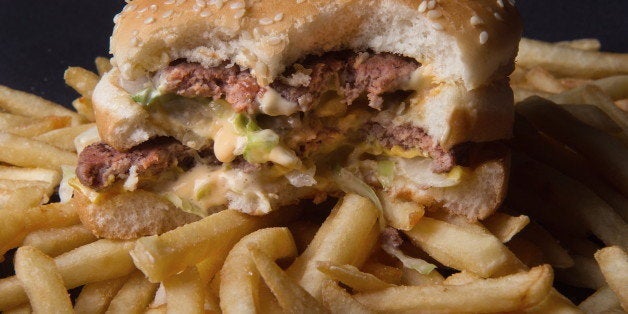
{"x":40,"y":39}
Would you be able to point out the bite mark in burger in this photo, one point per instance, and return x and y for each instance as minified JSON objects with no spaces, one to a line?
{"x":217,"y":111}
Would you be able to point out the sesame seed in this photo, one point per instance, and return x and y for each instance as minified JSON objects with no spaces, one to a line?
{"x":500,"y":3}
{"x":149,"y":20}
{"x":135,"y":32}
{"x":135,"y":41}
{"x":476,"y":20}
{"x":300,"y":1}
{"x":153,"y":7}
{"x":205,"y":13}
{"x":236,"y":5}
{"x":423,"y":6}
{"x":483,"y":37}
{"x":129,"y":7}
{"x":201,"y":3}
{"x":437,"y":26}
{"x":196,"y":8}
{"x":167,"y":14}
{"x":434,"y":14}
{"x":179,"y":2}
{"x":239,"y":13}
{"x":169,"y":2}
{"x":274,"y":40}
{"x":512,"y":2}
{"x":116,"y":18}
{"x":142,"y":10}
{"x":498,"y":16}
{"x":265,"y":21}
{"x":278,"y":17}
{"x":431,"y":4}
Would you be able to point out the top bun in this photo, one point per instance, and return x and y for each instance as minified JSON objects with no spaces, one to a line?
{"x":466,"y":42}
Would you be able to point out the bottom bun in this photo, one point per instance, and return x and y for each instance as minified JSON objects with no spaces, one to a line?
{"x":130,"y":215}
{"x":476,"y":198}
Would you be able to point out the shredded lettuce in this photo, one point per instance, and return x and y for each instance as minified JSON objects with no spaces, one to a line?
{"x":385,"y":172}
{"x":417,"y":264}
{"x":147,"y":96}
{"x":185,"y":205}
{"x":262,"y":145}
{"x":350,"y":183}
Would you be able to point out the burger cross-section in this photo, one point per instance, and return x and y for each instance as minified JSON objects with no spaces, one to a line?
{"x":257,"y":105}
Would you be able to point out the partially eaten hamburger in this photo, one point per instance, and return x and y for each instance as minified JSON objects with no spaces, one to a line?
{"x":255,"y":105}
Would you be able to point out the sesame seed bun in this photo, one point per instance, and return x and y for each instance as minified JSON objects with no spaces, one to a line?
{"x":470,"y":42}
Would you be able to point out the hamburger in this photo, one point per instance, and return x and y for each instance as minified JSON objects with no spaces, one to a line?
{"x":256,"y":105}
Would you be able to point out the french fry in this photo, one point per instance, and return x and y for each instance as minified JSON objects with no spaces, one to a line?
{"x":400,"y":214}
{"x":42,"y":282}
{"x":572,"y":197}
{"x":594,"y":117}
{"x":22,"y":198}
{"x":566,"y":161}
{"x":54,"y":242}
{"x":290,"y":295}
{"x":504,"y":226}
{"x":346,"y":237}
{"x":595,"y":96}
{"x":303,"y":231}
{"x":16,"y":224}
{"x":521,"y":93}
{"x":510,"y":293}
{"x":337,"y":300}
{"x":461,"y":278}
{"x":411,"y":277}
{"x":22,"y":309}
{"x":553,"y":252}
{"x":134,"y":296}
{"x":52,"y":177}
{"x":185,"y":292}
{"x":211,"y":237}
{"x":385,"y":273}
{"x":95,"y":297}
{"x":614,"y":265}
{"x":85,"y":108}
{"x":605,"y":152}
{"x":592,"y":44}
{"x":622,"y":104}
{"x":267,"y":301}
{"x":29,"y":105}
{"x":458,"y":247}
{"x":544,"y":81}
{"x":603,"y":300}
{"x":616,"y":87}
{"x":63,"y":138}
{"x":103,"y":65}
{"x":567,"y":61}
{"x":527,"y":252}
{"x":98,"y":261}
{"x":239,"y":278}
{"x":352,"y":277}
{"x":30,"y":127}
{"x":554,"y":303}
{"x":585,"y":273}
{"x":24,"y":152}
{"x":81,"y":80}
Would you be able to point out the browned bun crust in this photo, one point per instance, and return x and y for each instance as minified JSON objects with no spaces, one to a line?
{"x":470,"y":42}
{"x":479,"y":196}
{"x":130,"y":215}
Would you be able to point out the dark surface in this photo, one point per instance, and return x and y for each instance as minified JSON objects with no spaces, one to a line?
{"x":40,"y":39}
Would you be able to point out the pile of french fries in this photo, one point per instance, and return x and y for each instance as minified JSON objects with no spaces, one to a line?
{"x":564,"y":221}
